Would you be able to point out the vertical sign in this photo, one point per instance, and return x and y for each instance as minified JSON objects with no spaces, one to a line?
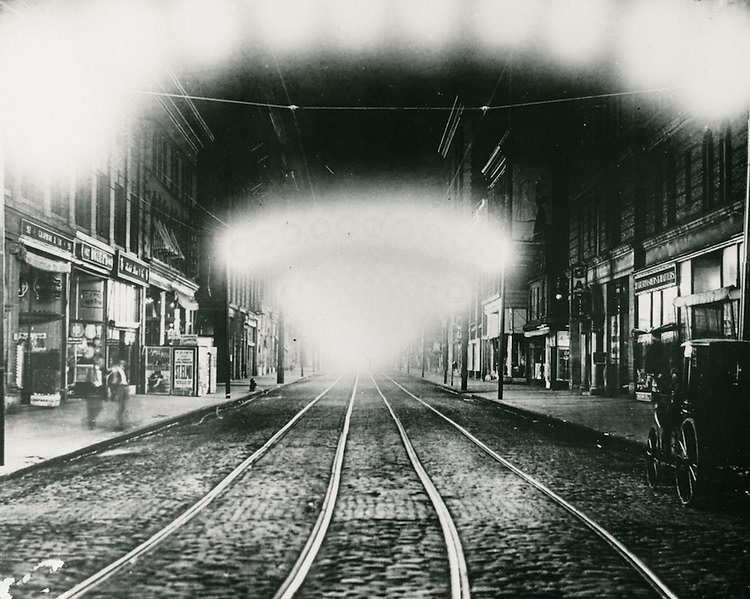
{"x":183,"y":369}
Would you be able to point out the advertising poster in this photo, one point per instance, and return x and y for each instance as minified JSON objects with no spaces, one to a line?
{"x":158,"y":369}
{"x":183,"y":381}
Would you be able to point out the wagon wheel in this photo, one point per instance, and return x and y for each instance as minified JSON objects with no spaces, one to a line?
{"x":653,"y":458}
{"x":687,"y":465}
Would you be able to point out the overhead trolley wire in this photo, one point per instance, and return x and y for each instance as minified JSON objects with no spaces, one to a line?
{"x":364,"y":108}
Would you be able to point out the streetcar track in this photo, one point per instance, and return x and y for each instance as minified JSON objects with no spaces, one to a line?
{"x":644,"y":571}
{"x":456,"y":560}
{"x":105,"y":573}
{"x":305,"y":560}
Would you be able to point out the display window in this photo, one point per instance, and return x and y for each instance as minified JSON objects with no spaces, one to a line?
{"x":39,"y":338}
{"x":86,"y":333}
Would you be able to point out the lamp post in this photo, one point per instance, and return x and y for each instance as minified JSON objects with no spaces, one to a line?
{"x":501,"y":337}
{"x":228,"y":325}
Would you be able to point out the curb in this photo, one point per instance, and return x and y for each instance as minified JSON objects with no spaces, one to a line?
{"x":603,"y":439}
{"x":142,"y":431}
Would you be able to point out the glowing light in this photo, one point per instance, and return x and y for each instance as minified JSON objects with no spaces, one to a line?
{"x":429,"y":24}
{"x":203,"y":30}
{"x":358,"y":286}
{"x":356,"y":25}
{"x":717,"y":81}
{"x":288,"y":25}
{"x":654,"y":41}
{"x":505,"y":22}
{"x":577,"y":29}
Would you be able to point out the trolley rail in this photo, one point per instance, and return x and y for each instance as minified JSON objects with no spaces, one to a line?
{"x":657,"y":584}
{"x":458,"y":570}
{"x":105,"y":573}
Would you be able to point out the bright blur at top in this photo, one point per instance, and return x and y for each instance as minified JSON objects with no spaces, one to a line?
{"x":69,"y":70}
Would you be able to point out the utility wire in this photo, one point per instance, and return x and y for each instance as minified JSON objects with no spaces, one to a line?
{"x":483,"y":109}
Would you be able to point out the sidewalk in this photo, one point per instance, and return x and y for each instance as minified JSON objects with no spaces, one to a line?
{"x":34,"y":435}
{"x":623,"y":418}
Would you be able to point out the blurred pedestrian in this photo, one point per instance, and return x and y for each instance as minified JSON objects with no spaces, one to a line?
{"x":119,"y":391}
{"x":97,"y":392}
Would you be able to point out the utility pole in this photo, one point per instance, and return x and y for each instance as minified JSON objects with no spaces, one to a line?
{"x":423,"y":351}
{"x":280,"y":350}
{"x":501,"y":338}
{"x":228,"y":327}
{"x":445,"y":352}
{"x":465,"y":352}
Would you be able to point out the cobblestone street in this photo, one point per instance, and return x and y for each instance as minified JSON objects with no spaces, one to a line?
{"x":384,"y":539}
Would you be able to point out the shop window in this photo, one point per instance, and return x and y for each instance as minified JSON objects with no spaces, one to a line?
{"x":686,"y":278}
{"x":59,"y":194}
{"x":135,"y":222}
{"x":708,"y":169}
{"x":656,"y":308}
{"x":123,"y":302}
{"x":102,"y":205}
{"x":121,"y":215}
{"x":707,"y":272}
{"x":83,"y":202}
{"x":729,"y":260}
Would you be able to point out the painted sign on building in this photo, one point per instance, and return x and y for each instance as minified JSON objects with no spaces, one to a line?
{"x":655,"y":280}
{"x":132,"y":269}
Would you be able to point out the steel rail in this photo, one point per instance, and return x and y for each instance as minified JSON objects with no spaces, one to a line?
{"x":456,"y":560}
{"x":99,"y":577}
{"x":304,"y":562}
{"x":646,"y":573}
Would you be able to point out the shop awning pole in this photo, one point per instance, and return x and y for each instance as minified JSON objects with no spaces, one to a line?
{"x":501,"y":337}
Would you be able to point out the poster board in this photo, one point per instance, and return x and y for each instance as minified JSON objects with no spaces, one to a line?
{"x":184,"y":370}
{"x":158,"y":370}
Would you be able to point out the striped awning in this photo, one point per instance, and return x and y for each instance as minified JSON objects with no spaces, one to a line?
{"x":164,"y":242}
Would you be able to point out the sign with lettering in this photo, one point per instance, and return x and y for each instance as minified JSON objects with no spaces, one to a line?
{"x":132,"y":269}
{"x":46,"y":236}
{"x":653,"y":281}
{"x":94,"y":255}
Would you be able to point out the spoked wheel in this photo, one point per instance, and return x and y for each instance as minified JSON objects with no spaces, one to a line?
{"x":653,"y":458}
{"x":687,"y":472}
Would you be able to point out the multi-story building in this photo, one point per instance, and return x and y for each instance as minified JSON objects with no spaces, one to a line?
{"x":102,"y":261}
{"x":655,"y":239}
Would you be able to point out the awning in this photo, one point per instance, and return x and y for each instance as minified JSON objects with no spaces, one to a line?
{"x":186,"y":301}
{"x":537,"y":332}
{"x":43,"y":263}
{"x":164,"y":241}
{"x":707,"y":297}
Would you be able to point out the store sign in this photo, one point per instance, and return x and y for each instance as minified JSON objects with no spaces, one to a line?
{"x":91,"y":298}
{"x":45,"y":236}
{"x":666,"y":277}
{"x":132,"y":269}
{"x":96,"y":256}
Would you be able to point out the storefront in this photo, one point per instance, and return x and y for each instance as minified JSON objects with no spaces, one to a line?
{"x":40,"y":271}
{"x":87,"y":323}
{"x":548,"y":355}
{"x":124,"y":314}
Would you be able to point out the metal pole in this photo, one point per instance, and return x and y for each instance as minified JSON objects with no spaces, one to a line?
{"x":465,"y":352}
{"x":744,"y":332}
{"x":423,"y":351}
{"x":280,"y":350}
{"x":228,"y":325}
{"x":2,"y":303}
{"x":301,"y":359}
{"x":445,"y":352}
{"x":501,"y":338}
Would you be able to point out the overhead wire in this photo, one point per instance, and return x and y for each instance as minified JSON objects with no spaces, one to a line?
{"x":484,"y":108}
